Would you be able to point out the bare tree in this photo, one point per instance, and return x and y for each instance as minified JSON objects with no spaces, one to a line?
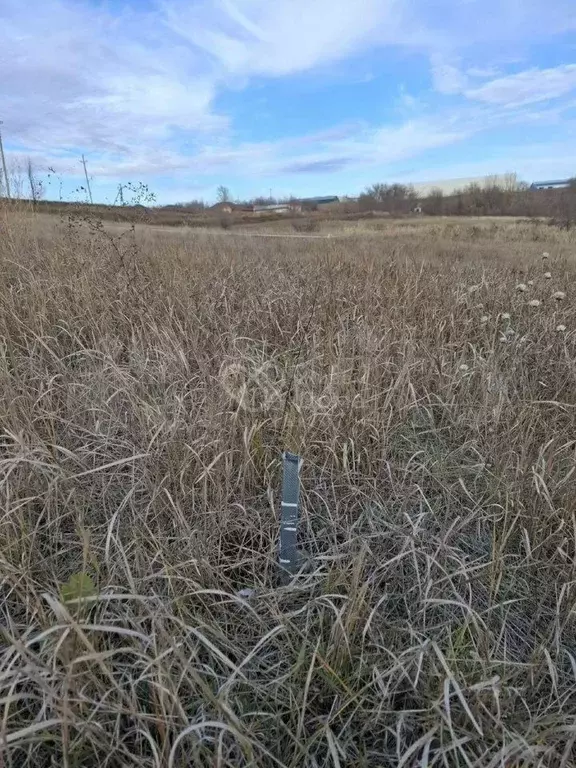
{"x":435,"y":202}
{"x":510,"y":182}
{"x":35,"y":184}
{"x":394,"y":198}
{"x":223,"y":194}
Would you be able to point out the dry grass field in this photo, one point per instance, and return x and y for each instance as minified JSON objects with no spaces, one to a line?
{"x":148,"y":385}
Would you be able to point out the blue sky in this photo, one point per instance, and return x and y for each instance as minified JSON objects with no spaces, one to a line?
{"x":299,"y":96}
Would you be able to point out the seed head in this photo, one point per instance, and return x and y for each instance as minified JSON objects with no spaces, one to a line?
{"x":521,"y":287}
{"x":561,"y":328}
{"x":547,"y":275}
{"x":484,"y":319}
{"x":464,"y":367}
{"x":530,"y":282}
{"x":545,"y":255}
{"x":559,"y":295}
{"x":534,"y":303}
{"x":505,"y":316}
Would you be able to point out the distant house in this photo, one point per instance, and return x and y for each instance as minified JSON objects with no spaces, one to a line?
{"x":225,"y":207}
{"x":272,"y":208}
{"x":312,"y":202}
{"x":557,"y":184}
{"x":292,"y":206}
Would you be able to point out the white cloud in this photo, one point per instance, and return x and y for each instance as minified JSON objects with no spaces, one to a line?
{"x":482,"y":72}
{"x":75,"y":76}
{"x":245,"y":38}
{"x":446,"y":77}
{"x":492,"y":26}
{"x":331,"y":152}
{"x":260,"y":37}
{"x":528,"y":87}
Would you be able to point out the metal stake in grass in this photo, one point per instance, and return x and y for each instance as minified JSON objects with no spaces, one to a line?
{"x":289,"y":557}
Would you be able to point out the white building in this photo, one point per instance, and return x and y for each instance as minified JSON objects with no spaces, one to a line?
{"x":449,"y":186}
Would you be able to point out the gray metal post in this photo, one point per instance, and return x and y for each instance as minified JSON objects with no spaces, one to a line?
{"x":289,"y":556}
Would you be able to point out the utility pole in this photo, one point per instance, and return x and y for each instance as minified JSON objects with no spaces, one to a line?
{"x":87,"y":179}
{"x":4,"y":171}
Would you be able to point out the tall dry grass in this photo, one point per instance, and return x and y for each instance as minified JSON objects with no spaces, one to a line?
{"x":435,"y":623}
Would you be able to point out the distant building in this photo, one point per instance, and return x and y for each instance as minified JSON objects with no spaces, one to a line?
{"x":229,"y":207}
{"x":277,"y":208}
{"x":557,"y":184}
{"x":224,"y":207}
{"x":311,"y":201}
{"x":450,"y":186}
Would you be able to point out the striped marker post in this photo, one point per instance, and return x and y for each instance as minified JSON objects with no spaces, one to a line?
{"x":289,"y":558}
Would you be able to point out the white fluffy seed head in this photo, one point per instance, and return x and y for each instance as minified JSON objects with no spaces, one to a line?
{"x":559,"y":295}
{"x":463,"y":367}
{"x":505,"y":316}
{"x":534,"y":303}
{"x":545,"y":255}
{"x":560,"y":328}
{"x":521,"y":287}
{"x":547,"y":275}
{"x":484,"y":319}
{"x":530,"y":282}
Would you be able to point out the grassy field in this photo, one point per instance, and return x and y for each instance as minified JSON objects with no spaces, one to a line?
{"x":149,"y":384}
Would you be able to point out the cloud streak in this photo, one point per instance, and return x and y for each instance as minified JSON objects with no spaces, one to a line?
{"x":258,"y":37}
{"x":94,"y":83}
{"x":528,"y":87}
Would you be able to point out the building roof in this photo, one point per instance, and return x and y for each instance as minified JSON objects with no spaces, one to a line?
{"x":272,"y":207}
{"x":320,"y":200}
{"x":551,"y":184}
{"x":223,"y":204}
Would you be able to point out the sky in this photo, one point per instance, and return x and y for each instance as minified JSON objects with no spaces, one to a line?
{"x":302,"y":97}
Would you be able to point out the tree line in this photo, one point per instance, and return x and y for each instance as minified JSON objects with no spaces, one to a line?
{"x":495,"y":197}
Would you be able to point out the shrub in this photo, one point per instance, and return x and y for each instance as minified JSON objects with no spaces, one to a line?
{"x":306,"y":225}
